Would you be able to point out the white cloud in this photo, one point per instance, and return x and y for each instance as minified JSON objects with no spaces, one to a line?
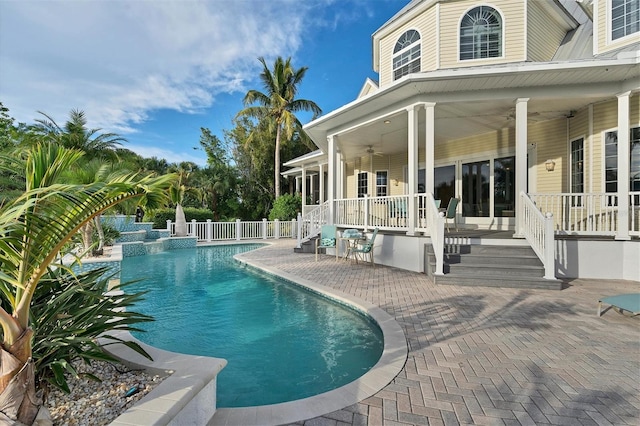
{"x":120,"y":60}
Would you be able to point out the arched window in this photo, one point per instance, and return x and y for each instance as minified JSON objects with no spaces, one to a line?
{"x":481,"y":34}
{"x":406,"y":54}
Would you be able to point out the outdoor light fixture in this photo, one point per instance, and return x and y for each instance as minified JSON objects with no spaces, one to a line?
{"x":395,"y":182}
{"x":550,"y":165}
{"x":387,"y":121}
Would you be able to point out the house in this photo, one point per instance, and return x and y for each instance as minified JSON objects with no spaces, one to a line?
{"x":515,"y":108}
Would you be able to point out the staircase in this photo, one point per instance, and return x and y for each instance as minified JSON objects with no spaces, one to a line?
{"x":308,"y":246}
{"x":467,"y":264}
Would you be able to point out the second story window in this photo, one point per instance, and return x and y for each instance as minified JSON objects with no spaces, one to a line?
{"x":625,"y":18}
{"x":481,"y":34}
{"x":406,"y":54}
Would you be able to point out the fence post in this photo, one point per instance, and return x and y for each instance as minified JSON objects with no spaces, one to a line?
{"x":299,"y":231}
{"x":276,"y":229}
{"x":194,"y":228}
{"x":169,"y":226}
{"x":549,"y":248}
{"x":294,"y":228}
{"x":209,"y":230}
{"x":238,"y":230}
{"x":264,"y":228}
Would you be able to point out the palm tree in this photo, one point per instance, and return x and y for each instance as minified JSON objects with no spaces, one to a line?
{"x":75,"y":135}
{"x":33,"y":230}
{"x":278,"y":104}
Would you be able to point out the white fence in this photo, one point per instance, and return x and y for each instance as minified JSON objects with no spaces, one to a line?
{"x":238,"y":230}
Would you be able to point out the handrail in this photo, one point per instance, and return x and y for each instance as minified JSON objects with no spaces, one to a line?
{"x":538,"y":231}
{"x":310,"y":224}
{"x":435,"y":225}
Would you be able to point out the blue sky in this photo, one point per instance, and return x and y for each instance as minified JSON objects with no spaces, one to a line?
{"x":157,"y":71}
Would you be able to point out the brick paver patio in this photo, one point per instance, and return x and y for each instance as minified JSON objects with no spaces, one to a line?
{"x":488,"y":356}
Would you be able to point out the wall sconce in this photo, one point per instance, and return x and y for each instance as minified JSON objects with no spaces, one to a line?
{"x":394,"y":182}
{"x":550,"y":165}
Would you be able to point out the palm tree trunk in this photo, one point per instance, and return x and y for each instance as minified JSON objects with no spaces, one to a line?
{"x":19,"y":401}
{"x":86,"y":230}
{"x":276,"y":181}
{"x":98,"y":225}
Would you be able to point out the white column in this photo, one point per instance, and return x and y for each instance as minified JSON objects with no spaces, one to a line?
{"x":412,"y":165}
{"x":304,"y":188}
{"x":623,"y":166}
{"x":297,"y":184}
{"x":331,"y":177}
{"x":312,"y":188}
{"x":521,"y":160}
{"x":429,"y":145}
{"x":321,"y":183}
{"x":341,"y":173}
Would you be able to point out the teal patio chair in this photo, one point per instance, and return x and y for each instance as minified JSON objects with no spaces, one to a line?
{"x":450,"y":213}
{"x":366,"y":249}
{"x":327,"y":238}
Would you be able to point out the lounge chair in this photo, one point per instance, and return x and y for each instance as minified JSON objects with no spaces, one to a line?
{"x":366,"y":249}
{"x":629,"y":302}
{"x":327,"y":238}
{"x":450,"y":212}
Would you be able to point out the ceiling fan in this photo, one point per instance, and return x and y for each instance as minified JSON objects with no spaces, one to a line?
{"x":371,"y":151}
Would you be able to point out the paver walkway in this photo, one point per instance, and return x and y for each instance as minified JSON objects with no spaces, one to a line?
{"x":489,"y":356}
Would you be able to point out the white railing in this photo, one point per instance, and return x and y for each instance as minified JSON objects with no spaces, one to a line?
{"x":583,"y":213}
{"x":238,"y":230}
{"x":310,"y":224}
{"x":435,"y":225}
{"x":386,"y":213}
{"x":538,"y":230}
{"x":634,"y":213}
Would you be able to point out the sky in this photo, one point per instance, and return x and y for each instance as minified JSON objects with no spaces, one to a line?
{"x":156,"y":71}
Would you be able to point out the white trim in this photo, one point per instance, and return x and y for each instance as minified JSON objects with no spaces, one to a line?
{"x":609,"y":29}
{"x":406,"y":49}
{"x":590,"y":138}
{"x":502,"y":41}
{"x":375,"y":183}
{"x":438,"y":35}
{"x":526,"y":30}
{"x":570,"y":163}
{"x":596,"y":29}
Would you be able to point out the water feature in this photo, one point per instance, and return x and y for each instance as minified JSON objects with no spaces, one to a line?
{"x":281,"y":341}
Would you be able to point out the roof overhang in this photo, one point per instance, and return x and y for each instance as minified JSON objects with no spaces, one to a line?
{"x":584,"y":81}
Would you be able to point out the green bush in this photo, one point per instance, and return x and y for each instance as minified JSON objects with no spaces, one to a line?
{"x":159,"y":217}
{"x":286,"y":207}
{"x":68,"y":314}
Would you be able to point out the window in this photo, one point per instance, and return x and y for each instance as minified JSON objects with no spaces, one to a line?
{"x":363,"y":184}
{"x":504,"y":186}
{"x":406,"y":54}
{"x":444,"y":184}
{"x":475,"y":189}
{"x":481,"y":34}
{"x":611,"y":160}
{"x":577,"y":166}
{"x":381,"y":183}
{"x":625,"y":18}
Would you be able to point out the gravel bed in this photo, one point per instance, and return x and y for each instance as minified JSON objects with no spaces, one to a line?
{"x":99,"y":403}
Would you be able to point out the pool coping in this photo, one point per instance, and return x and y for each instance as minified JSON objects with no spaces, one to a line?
{"x":190,"y":384}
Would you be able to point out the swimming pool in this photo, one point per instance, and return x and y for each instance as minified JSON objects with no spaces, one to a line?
{"x":282,"y":342}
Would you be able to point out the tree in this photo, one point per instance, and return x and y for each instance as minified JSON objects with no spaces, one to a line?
{"x":35,"y":227}
{"x":75,"y":135}
{"x":278,"y":104}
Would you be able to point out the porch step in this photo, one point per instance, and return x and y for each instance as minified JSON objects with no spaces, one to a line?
{"x":490,"y":266}
{"x":308,"y":247}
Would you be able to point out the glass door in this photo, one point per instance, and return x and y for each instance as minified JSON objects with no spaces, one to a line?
{"x":475,"y":189}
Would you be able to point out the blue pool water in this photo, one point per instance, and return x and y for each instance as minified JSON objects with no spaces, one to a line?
{"x":281,"y":342}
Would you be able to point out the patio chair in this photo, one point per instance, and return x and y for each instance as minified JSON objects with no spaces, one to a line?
{"x":629,"y":302}
{"x":399,"y":210}
{"x":450,"y":213}
{"x":327,"y":238}
{"x":366,"y":249}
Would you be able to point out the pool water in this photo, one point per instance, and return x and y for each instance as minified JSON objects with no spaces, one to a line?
{"x":281,"y":341}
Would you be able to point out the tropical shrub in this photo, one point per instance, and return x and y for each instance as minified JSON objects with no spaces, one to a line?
{"x":286,"y":207}
{"x":159,"y":217}
{"x":69,"y":313}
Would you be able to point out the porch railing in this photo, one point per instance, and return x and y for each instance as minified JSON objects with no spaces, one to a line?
{"x":435,"y":223}
{"x":311,"y":223}
{"x":634,"y":213}
{"x":538,"y":231}
{"x":238,"y":230}
{"x":386,"y":213}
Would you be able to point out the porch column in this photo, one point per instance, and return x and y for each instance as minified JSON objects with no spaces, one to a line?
{"x":412,"y":163}
{"x":304,"y":188}
{"x":297,"y":184}
{"x":341,"y":173}
{"x":321,"y":184}
{"x":429,"y":147}
{"x":312,"y":188}
{"x":331,"y":177}
{"x":623,"y":167}
{"x":521,"y":161}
